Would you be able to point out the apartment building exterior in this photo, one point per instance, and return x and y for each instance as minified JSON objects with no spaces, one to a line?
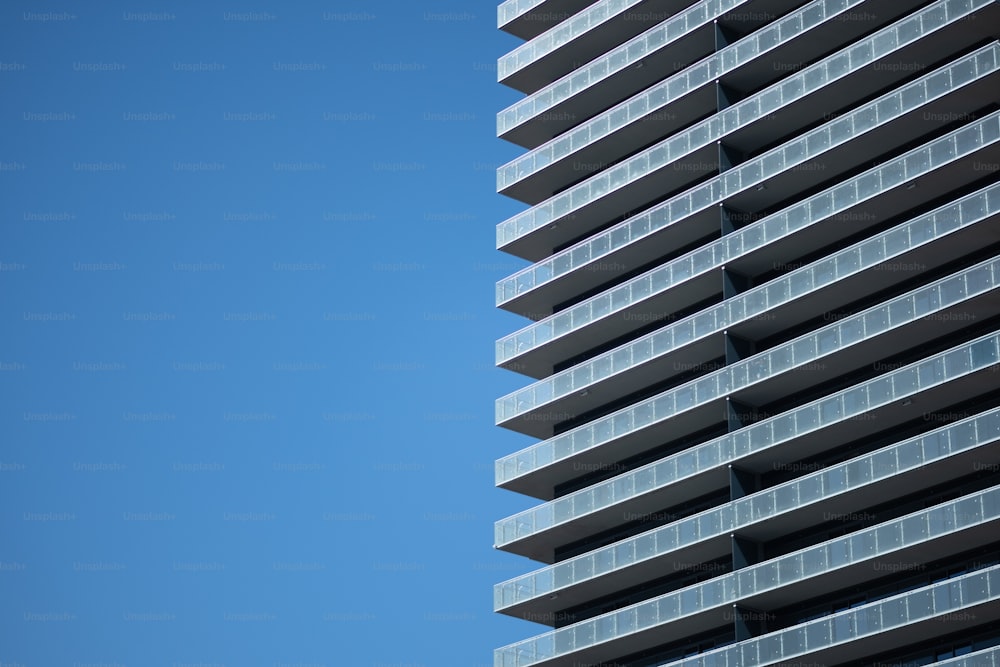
{"x":761,"y":346}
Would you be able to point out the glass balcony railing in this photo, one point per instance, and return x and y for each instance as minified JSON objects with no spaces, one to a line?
{"x":767,"y":101}
{"x":857,"y":400}
{"x":802,"y":352}
{"x":947,"y":597}
{"x":988,"y":657}
{"x":865,"y":545}
{"x":644,"y":224}
{"x":912,"y":453}
{"x":660,"y":95}
{"x":755,"y":303}
{"x":553,"y":38}
{"x":615,"y":60}
{"x":811,"y":210}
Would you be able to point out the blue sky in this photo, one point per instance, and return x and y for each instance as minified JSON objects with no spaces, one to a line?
{"x":247,"y":374}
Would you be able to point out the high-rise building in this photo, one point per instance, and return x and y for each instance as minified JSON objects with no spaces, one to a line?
{"x":762,"y":347}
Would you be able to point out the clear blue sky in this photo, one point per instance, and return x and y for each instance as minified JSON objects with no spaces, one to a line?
{"x":247,"y":365}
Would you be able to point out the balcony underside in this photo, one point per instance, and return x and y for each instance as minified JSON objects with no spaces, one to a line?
{"x":703,"y":353}
{"x":539,"y":361}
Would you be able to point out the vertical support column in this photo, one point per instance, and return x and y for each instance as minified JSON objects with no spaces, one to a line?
{"x":729,"y":157}
{"x":738,"y":414}
{"x":726,"y":96}
{"x":724,"y":36}
{"x":731,"y":219}
{"x":734,"y":283}
{"x":742,"y":482}
{"x":749,"y":622}
{"x":745,"y":552}
{"x":737,"y":349}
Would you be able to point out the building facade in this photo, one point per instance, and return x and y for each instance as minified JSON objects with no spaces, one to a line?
{"x":762,"y":339}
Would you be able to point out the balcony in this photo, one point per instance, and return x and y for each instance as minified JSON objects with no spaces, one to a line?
{"x":533,"y":233}
{"x":822,"y":569}
{"x":581,"y":38}
{"x":863,"y":201}
{"x":917,"y":317}
{"x":808,"y":292}
{"x":536,"y":470}
{"x":679,"y":100}
{"x":626,"y":69}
